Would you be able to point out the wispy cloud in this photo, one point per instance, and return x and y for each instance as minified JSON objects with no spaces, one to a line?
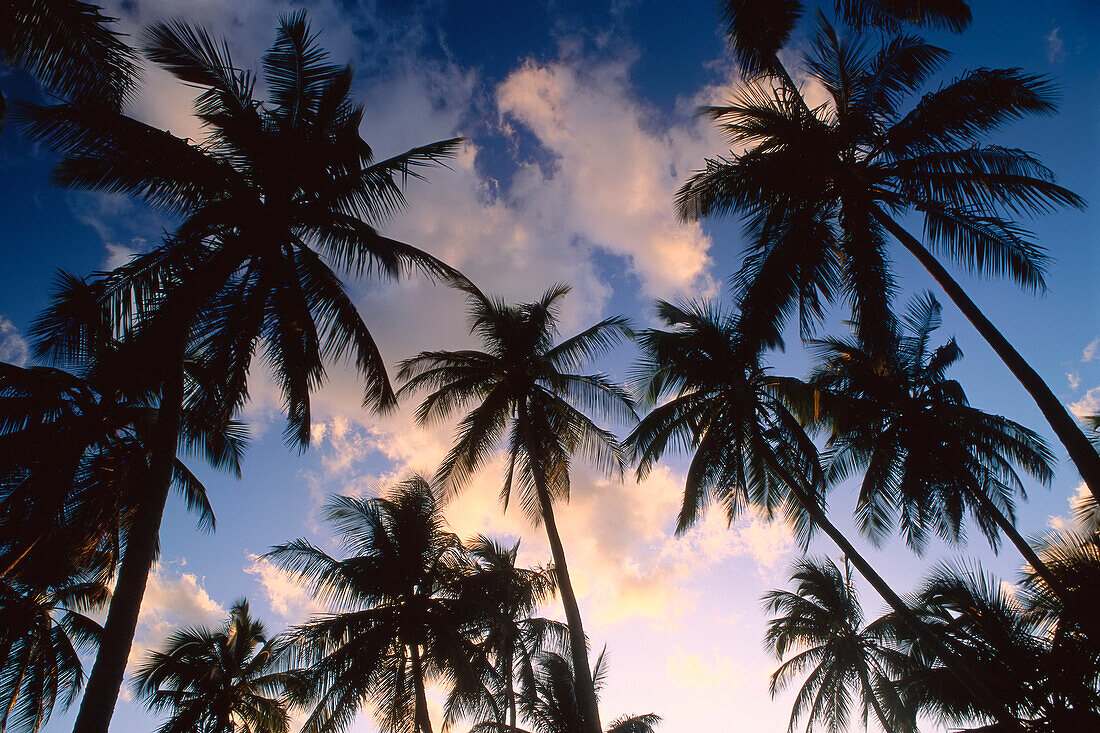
{"x":1056,"y":47}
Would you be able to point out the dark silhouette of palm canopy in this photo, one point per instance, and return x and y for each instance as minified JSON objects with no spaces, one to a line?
{"x":43,"y":627}
{"x":74,"y":445}
{"x":747,"y":447}
{"x":398,"y":618}
{"x":820,"y":625}
{"x":524,"y":393}
{"x":273,"y":198}
{"x":506,"y":598}
{"x":927,"y":456}
{"x":1050,"y":680}
{"x":822,"y":191}
{"x":224,"y":681}
{"x":69,"y":47}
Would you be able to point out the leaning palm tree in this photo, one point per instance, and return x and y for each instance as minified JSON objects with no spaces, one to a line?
{"x":506,"y":598}
{"x":715,"y":398}
{"x":68,"y":46}
{"x":273,"y":202}
{"x":224,"y":681}
{"x":524,"y":393}
{"x":43,"y":627}
{"x":822,"y":192}
{"x":820,"y":624}
{"x":927,"y":456}
{"x":398,"y":618}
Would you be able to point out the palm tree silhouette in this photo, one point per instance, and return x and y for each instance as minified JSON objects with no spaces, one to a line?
{"x":927,"y":456}
{"x":507,"y":598}
{"x":43,"y":627}
{"x":820,"y":624}
{"x":399,"y":619}
{"x":525,"y":395}
{"x":748,"y":448}
{"x":275,"y":197}
{"x":221,"y":681}
{"x":822,"y":191}
{"x":69,"y":47}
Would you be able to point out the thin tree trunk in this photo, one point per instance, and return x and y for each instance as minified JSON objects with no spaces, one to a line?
{"x":962,"y":673}
{"x":578,"y":644}
{"x":19,"y":559}
{"x":510,"y":690}
{"x":98,"y":704}
{"x":421,"y":720}
{"x":1077,"y":444}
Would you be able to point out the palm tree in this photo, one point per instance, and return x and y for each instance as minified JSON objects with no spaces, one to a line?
{"x":507,"y":598}
{"x":523,"y":387}
{"x":74,"y":445}
{"x":274,"y":198}
{"x":224,"y":681}
{"x":42,"y":629}
{"x":821,"y":625}
{"x":747,"y":446}
{"x":399,"y":619}
{"x":69,"y":47}
{"x":552,"y":702}
{"x":1050,"y":684}
{"x":927,"y":456}
{"x":822,"y":192}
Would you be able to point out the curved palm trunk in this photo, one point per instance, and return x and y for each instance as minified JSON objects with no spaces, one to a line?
{"x":101,"y":694}
{"x":578,"y":645}
{"x":421,"y":721}
{"x":1077,"y":444}
{"x":962,"y":673}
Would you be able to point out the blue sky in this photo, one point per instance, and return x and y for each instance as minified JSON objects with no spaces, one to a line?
{"x":580,"y":123}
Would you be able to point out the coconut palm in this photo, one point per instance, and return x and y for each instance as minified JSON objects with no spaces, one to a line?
{"x":820,"y":624}
{"x":224,"y":681}
{"x":273,"y":201}
{"x":524,"y":394}
{"x":398,"y":619}
{"x":716,"y":399}
{"x":506,"y":598}
{"x":823,"y":191}
{"x":43,"y":627}
{"x":69,"y":47}
{"x":927,"y":456}
{"x":1049,"y":684}
{"x":74,"y":445}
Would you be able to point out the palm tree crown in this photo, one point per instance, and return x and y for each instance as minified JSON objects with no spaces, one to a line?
{"x":225,"y":681}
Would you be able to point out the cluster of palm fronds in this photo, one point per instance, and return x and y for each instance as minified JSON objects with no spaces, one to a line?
{"x":283,"y":195}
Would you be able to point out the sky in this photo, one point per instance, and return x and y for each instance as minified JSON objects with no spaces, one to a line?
{"x":580,"y":126}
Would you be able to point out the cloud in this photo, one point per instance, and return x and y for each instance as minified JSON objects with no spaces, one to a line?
{"x":1074,"y":380}
{"x":13,"y":347}
{"x":285,"y":595}
{"x":1056,"y":47}
{"x":1087,"y":405}
{"x":1090,"y":352}
{"x":172,"y":601}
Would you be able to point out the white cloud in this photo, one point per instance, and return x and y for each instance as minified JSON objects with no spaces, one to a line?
{"x":172,"y":601}
{"x":1087,"y":405}
{"x":1074,"y":380}
{"x":285,"y":595}
{"x":13,"y":347}
{"x":1056,"y":47}
{"x":1090,"y":352}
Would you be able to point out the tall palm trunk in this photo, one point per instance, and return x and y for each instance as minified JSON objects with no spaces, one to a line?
{"x":1077,"y":444}
{"x":101,"y":694}
{"x":421,"y":721}
{"x":962,"y":673}
{"x":578,"y":645}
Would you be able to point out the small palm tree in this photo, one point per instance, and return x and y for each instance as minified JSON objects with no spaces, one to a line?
{"x":398,"y":618}
{"x":69,"y":47}
{"x":506,"y":598}
{"x":821,"y":626}
{"x":927,"y":455}
{"x":225,"y":681}
{"x":821,"y":191}
{"x":747,"y":447}
{"x":274,"y":201}
{"x":42,"y":630}
{"x":523,"y":393}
